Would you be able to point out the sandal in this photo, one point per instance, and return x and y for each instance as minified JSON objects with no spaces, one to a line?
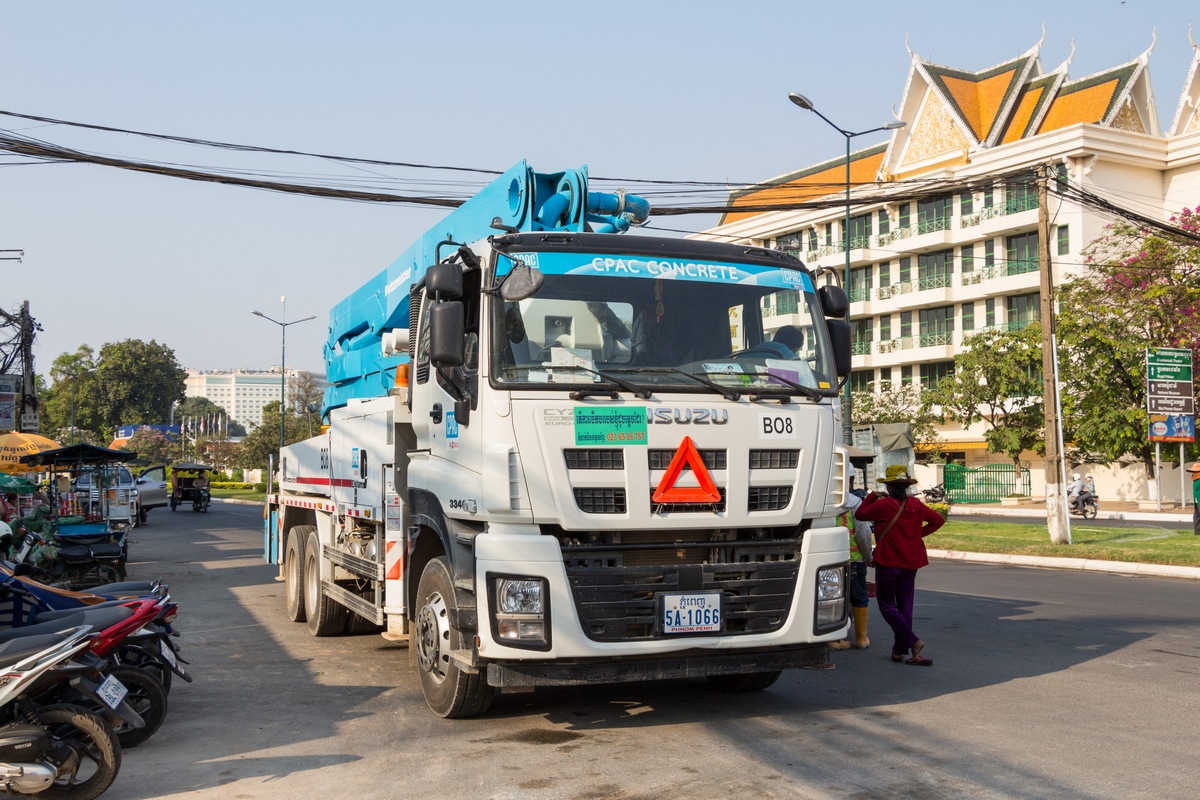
{"x":897,"y":657}
{"x":920,"y":661}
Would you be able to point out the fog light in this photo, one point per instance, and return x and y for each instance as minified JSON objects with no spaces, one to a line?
{"x":521,"y":629}
{"x":830,"y":613}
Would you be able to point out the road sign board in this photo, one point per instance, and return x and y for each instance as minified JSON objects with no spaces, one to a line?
{"x":1169,"y":355}
{"x":1169,"y":372}
{"x":1170,"y":394}
{"x":1172,"y":428}
{"x":1169,"y":389}
{"x":1172,"y":405}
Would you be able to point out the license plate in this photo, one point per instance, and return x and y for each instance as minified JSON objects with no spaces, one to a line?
{"x":168,"y":654}
{"x":112,"y":692}
{"x":691,"y":612}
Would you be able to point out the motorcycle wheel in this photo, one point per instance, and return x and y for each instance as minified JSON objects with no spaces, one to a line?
{"x":92,"y":752}
{"x":147,"y":697}
{"x":135,"y":655}
{"x":101,"y":574}
{"x":1090,"y":510}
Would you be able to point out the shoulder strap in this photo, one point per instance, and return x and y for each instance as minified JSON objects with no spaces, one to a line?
{"x":899,"y":511}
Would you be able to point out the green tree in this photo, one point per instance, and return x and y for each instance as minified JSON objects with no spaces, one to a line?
{"x":887,"y":403}
{"x":998,"y":380}
{"x":152,"y":446}
{"x":198,"y":407}
{"x":304,"y":398}
{"x":1141,"y":289}
{"x":68,"y":408}
{"x":137,"y":382}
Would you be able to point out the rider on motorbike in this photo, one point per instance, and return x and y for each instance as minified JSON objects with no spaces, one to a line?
{"x":1074,"y":488}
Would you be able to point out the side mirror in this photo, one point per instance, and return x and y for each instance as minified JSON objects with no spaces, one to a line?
{"x":21,"y":569}
{"x":839,"y":338}
{"x":447,"y":326}
{"x":444,"y":281}
{"x":834,"y":301}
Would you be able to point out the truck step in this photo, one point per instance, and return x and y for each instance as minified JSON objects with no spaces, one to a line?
{"x":353,"y":602}
{"x":359,"y":566}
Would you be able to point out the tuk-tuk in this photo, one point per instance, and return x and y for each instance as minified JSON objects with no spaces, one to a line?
{"x":189,"y":484}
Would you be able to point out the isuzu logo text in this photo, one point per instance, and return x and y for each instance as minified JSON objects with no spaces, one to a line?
{"x":687,"y":416}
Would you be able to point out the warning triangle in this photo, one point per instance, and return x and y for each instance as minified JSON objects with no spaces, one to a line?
{"x":686,"y":456}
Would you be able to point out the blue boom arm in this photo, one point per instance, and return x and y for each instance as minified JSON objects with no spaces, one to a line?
{"x":356,"y":365}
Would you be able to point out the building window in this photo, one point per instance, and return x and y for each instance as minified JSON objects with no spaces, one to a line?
{"x":904,"y":216}
{"x":988,"y":197}
{"x":1022,"y":253}
{"x":932,"y":374}
{"x":1023,"y":309}
{"x":968,"y":316}
{"x":1064,"y":240}
{"x":885,"y":223}
{"x":1020,"y":195}
{"x":812,"y":239}
{"x":933,"y":213}
{"x":906,"y":375}
{"x":968,"y":258}
{"x":905,"y":324}
{"x":937,"y":326}
{"x":860,"y":380}
{"x":860,"y":283}
{"x":966,"y":204}
{"x":860,"y":231}
{"x":863,"y":329}
{"x":885,"y":328}
{"x":934,"y":270}
{"x":905,"y":270}
{"x":828,"y":234}
{"x":885,"y":274}
{"x":989,"y":312}
{"x":989,"y":253}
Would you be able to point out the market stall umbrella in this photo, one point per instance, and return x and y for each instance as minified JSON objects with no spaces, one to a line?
{"x":11,"y":484}
{"x":15,"y":445}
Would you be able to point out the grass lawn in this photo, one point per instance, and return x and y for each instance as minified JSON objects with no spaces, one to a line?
{"x":239,"y":494}
{"x":1149,"y":545}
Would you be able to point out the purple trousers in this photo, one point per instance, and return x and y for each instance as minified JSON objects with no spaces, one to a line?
{"x":894,"y":591}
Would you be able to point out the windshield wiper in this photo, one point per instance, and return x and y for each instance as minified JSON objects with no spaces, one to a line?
{"x":812,"y":394}
{"x":637,"y":391}
{"x":728,"y":392}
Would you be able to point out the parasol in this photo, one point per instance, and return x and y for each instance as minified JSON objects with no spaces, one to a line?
{"x":14,"y":445}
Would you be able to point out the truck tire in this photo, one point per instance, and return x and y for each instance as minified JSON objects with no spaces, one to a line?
{"x":449,"y":692}
{"x":357,"y":625}
{"x":746,"y":682}
{"x":325,"y":617}
{"x":293,"y":571}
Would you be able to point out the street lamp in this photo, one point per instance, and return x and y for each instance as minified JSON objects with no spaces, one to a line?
{"x":806,"y":104}
{"x":283,"y":326}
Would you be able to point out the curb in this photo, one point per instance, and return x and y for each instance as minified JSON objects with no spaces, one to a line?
{"x":1086,"y":564}
{"x":1039,"y":511}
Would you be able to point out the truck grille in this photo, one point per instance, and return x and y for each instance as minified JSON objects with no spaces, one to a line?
{"x":616,"y":575}
{"x":600,"y":501}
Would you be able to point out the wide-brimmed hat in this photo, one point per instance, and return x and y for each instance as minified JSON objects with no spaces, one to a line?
{"x":1194,"y":467}
{"x":897,"y":473}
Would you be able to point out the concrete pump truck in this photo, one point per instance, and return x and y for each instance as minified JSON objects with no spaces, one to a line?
{"x":558,"y":456}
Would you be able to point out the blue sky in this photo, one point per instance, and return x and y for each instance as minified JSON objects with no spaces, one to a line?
{"x":665,"y":90}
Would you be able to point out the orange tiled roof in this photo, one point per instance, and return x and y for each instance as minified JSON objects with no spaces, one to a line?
{"x":1090,"y":99}
{"x":1033,"y":98}
{"x":821,"y":180}
{"x":979,"y":97}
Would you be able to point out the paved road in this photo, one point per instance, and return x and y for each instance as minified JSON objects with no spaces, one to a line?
{"x":1046,"y":684}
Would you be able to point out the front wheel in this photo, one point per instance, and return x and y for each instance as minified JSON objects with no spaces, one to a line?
{"x":449,"y":692}
{"x":147,"y":697}
{"x":1090,"y":510}
{"x":746,"y":682}
{"x":87,"y":753}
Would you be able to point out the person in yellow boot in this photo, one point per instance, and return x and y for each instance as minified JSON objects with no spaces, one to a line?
{"x":860,"y":557}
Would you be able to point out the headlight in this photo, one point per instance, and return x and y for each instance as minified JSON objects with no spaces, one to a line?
{"x":520,"y":611}
{"x":831,"y":583}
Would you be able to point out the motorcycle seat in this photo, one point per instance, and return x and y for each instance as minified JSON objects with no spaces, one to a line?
{"x":92,"y":614}
{"x":51,"y":627}
{"x":19,"y":648}
{"x":124,"y":588}
{"x":83,"y":554}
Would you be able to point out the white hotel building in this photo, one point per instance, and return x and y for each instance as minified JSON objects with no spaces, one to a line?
{"x":241,"y":392}
{"x":925,"y":274}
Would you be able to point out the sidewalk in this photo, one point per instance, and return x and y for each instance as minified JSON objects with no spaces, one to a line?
{"x":1123,"y":510}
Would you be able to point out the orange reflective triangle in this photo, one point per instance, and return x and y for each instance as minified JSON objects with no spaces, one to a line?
{"x":687,"y":456}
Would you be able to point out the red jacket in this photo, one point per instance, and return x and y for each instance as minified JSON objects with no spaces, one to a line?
{"x":903,"y":544}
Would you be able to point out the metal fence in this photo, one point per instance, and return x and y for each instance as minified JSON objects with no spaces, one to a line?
{"x":986,"y":484}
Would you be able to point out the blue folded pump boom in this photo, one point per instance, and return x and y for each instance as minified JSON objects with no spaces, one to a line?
{"x":519,"y":200}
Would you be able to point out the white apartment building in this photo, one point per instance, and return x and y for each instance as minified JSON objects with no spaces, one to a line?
{"x":242,"y":393}
{"x":928,"y":272}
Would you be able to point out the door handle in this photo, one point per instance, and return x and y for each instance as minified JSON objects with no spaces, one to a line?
{"x":436,"y":413}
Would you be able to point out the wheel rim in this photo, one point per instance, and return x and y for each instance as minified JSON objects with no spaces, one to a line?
{"x":433,"y":629}
{"x":312,"y":583}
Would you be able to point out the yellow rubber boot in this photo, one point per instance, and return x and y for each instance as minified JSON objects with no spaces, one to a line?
{"x":840,"y":644}
{"x":861,"y":642}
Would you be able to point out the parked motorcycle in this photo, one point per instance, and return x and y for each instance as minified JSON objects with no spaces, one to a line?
{"x":1087,"y":505}
{"x":143,"y":690}
{"x":59,"y":750}
{"x":936,"y":494}
{"x":73,"y":566}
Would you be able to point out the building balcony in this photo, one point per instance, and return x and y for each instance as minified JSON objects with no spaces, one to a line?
{"x":861,"y":348}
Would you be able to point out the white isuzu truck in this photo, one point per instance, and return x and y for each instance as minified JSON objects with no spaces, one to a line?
{"x":558,"y":456}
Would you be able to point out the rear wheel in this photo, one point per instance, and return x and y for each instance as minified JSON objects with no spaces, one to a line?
{"x":1090,"y":509}
{"x":448,"y":691}
{"x":86,"y":752}
{"x":325,"y":617}
{"x":147,"y":697}
{"x":746,"y":682}
{"x":135,"y":655}
{"x":293,"y":571}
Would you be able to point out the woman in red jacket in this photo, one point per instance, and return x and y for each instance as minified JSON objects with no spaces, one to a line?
{"x":901,"y":525}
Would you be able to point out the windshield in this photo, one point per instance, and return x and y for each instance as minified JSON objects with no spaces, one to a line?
{"x":653,"y":322}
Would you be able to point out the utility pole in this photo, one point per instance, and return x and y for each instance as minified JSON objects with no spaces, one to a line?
{"x":1056,"y":509}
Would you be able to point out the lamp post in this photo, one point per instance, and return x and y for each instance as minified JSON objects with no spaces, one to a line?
{"x":283,"y":326}
{"x":806,"y":104}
